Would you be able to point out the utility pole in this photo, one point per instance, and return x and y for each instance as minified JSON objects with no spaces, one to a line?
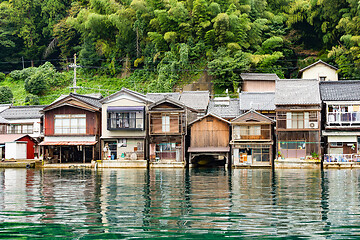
{"x":22,"y":59}
{"x":73,"y":65}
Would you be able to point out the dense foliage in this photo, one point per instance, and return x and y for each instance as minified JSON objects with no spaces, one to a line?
{"x":158,"y":45}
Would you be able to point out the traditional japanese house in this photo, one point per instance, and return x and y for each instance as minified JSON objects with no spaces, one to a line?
{"x":167,"y":131}
{"x":298,"y":107}
{"x":24,"y":120}
{"x":209,"y":141}
{"x":258,"y":82}
{"x":252,"y":140}
{"x":319,"y":70}
{"x":124,"y":135}
{"x":261,"y":102}
{"x":341,"y":121}
{"x":72,"y":128}
{"x":224,"y":107}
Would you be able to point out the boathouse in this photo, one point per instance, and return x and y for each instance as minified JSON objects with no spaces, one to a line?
{"x":17,"y":146}
{"x":72,"y":128}
{"x":167,"y":131}
{"x":124,"y":125}
{"x":209,"y":141}
{"x":341,"y":122}
{"x":252,"y":140}
{"x":298,"y":107}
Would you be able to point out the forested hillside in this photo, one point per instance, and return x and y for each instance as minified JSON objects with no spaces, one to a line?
{"x":156,"y":45}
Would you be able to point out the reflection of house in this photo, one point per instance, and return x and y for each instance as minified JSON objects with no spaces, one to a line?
{"x":167,"y":130}
{"x":341,"y":109}
{"x":262,"y":102}
{"x":72,"y":129}
{"x":17,"y":146}
{"x":124,"y":126}
{"x":252,"y":140}
{"x":319,"y":70}
{"x":298,"y":108}
{"x":258,"y":82}
{"x":209,"y":140}
{"x":225,"y":107}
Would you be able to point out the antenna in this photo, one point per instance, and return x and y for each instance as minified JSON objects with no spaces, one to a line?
{"x":73,"y":65}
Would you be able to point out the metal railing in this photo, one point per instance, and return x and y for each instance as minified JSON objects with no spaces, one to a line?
{"x":343,"y":117}
{"x":341,"y":158}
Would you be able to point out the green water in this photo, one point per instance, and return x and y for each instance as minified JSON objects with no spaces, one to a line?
{"x":177,"y":203}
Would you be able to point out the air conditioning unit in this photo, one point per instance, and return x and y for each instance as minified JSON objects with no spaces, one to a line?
{"x":313,"y":125}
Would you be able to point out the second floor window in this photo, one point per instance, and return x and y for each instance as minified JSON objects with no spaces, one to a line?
{"x":70,"y":124}
{"x":20,"y":128}
{"x":166,"y":123}
{"x":125,"y":120}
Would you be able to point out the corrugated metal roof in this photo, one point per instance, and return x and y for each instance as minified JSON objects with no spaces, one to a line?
{"x":10,"y":137}
{"x":22,"y":112}
{"x":297,"y":92}
{"x":345,"y":90}
{"x":257,"y":101}
{"x":68,"y":143}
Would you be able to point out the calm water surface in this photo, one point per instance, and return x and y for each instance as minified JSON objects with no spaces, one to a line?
{"x":177,"y":203}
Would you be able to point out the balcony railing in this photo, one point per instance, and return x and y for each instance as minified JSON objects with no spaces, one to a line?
{"x":341,"y":158}
{"x":343,"y":117}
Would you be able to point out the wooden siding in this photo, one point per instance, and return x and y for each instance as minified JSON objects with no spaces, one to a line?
{"x":176,"y":120}
{"x":93,"y":120}
{"x":265,"y":132}
{"x":210,"y":132}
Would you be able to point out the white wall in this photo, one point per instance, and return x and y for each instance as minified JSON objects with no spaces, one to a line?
{"x":15,"y":150}
{"x":320,"y":70}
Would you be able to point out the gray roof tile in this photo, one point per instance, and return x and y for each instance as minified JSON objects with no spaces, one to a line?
{"x":94,"y":101}
{"x":340,"y":90}
{"x":225,"y":111}
{"x":257,"y":101}
{"x":297,"y":92}
{"x":259,"y":76}
{"x":198,"y":100}
{"x":22,"y":112}
{"x":158,"y":96}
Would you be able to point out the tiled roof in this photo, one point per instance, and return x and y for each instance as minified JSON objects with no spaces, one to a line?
{"x":315,"y":63}
{"x":3,"y":120}
{"x":94,"y":101}
{"x":340,"y":90}
{"x":158,"y":96}
{"x":257,"y":101}
{"x":297,"y":92}
{"x":225,"y":111}
{"x":198,"y":100}
{"x":22,"y":112}
{"x":259,"y":76}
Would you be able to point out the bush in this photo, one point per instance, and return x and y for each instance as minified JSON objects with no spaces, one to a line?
{"x":2,"y":76}
{"x":36,"y":84}
{"x":6,"y":95}
{"x":32,"y":100}
{"x":22,"y":74}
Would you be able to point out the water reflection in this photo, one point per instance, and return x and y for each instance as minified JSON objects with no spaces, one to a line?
{"x":129,"y":203}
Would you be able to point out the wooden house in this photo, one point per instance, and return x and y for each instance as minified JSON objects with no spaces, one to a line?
{"x":258,"y":82}
{"x":341,"y":121}
{"x":298,"y":107}
{"x":209,"y":141}
{"x":124,"y":129}
{"x":72,"y":128}
{"x":252,"y":140}
{"x":319,"y":70}
{"x":167,"y":131}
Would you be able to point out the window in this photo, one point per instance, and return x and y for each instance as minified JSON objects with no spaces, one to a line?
{"x":261,"y":154}
{"x":322,"y":78}
{"x":297,"y":120}
{"x":293,"y":145}
{"x":20,"y":128}
{"x":125,"y":120}
{"x":122,"y":142}
{"x":165,"y":123}
{"x":70,"y":124}
{"x":250,"y":130}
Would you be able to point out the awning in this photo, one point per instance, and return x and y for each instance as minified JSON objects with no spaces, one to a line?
{"x":208,"y":149}
{"x":125,"y":109}
{"x":352,"y":139}
{"x":69,"y":143}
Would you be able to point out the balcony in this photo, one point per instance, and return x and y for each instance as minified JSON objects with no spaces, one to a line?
{"x":341,"y":158}
{"x":343,"y":118}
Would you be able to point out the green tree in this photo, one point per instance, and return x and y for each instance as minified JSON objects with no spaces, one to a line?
{"x":6,"y":95}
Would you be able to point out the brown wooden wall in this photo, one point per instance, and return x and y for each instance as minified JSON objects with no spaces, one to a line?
{"x":156,"y":123}
{"x":93,"y":120}
{"x":210,"y":132}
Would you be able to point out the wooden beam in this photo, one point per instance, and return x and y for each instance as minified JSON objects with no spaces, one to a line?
{"x":83,"y":150}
